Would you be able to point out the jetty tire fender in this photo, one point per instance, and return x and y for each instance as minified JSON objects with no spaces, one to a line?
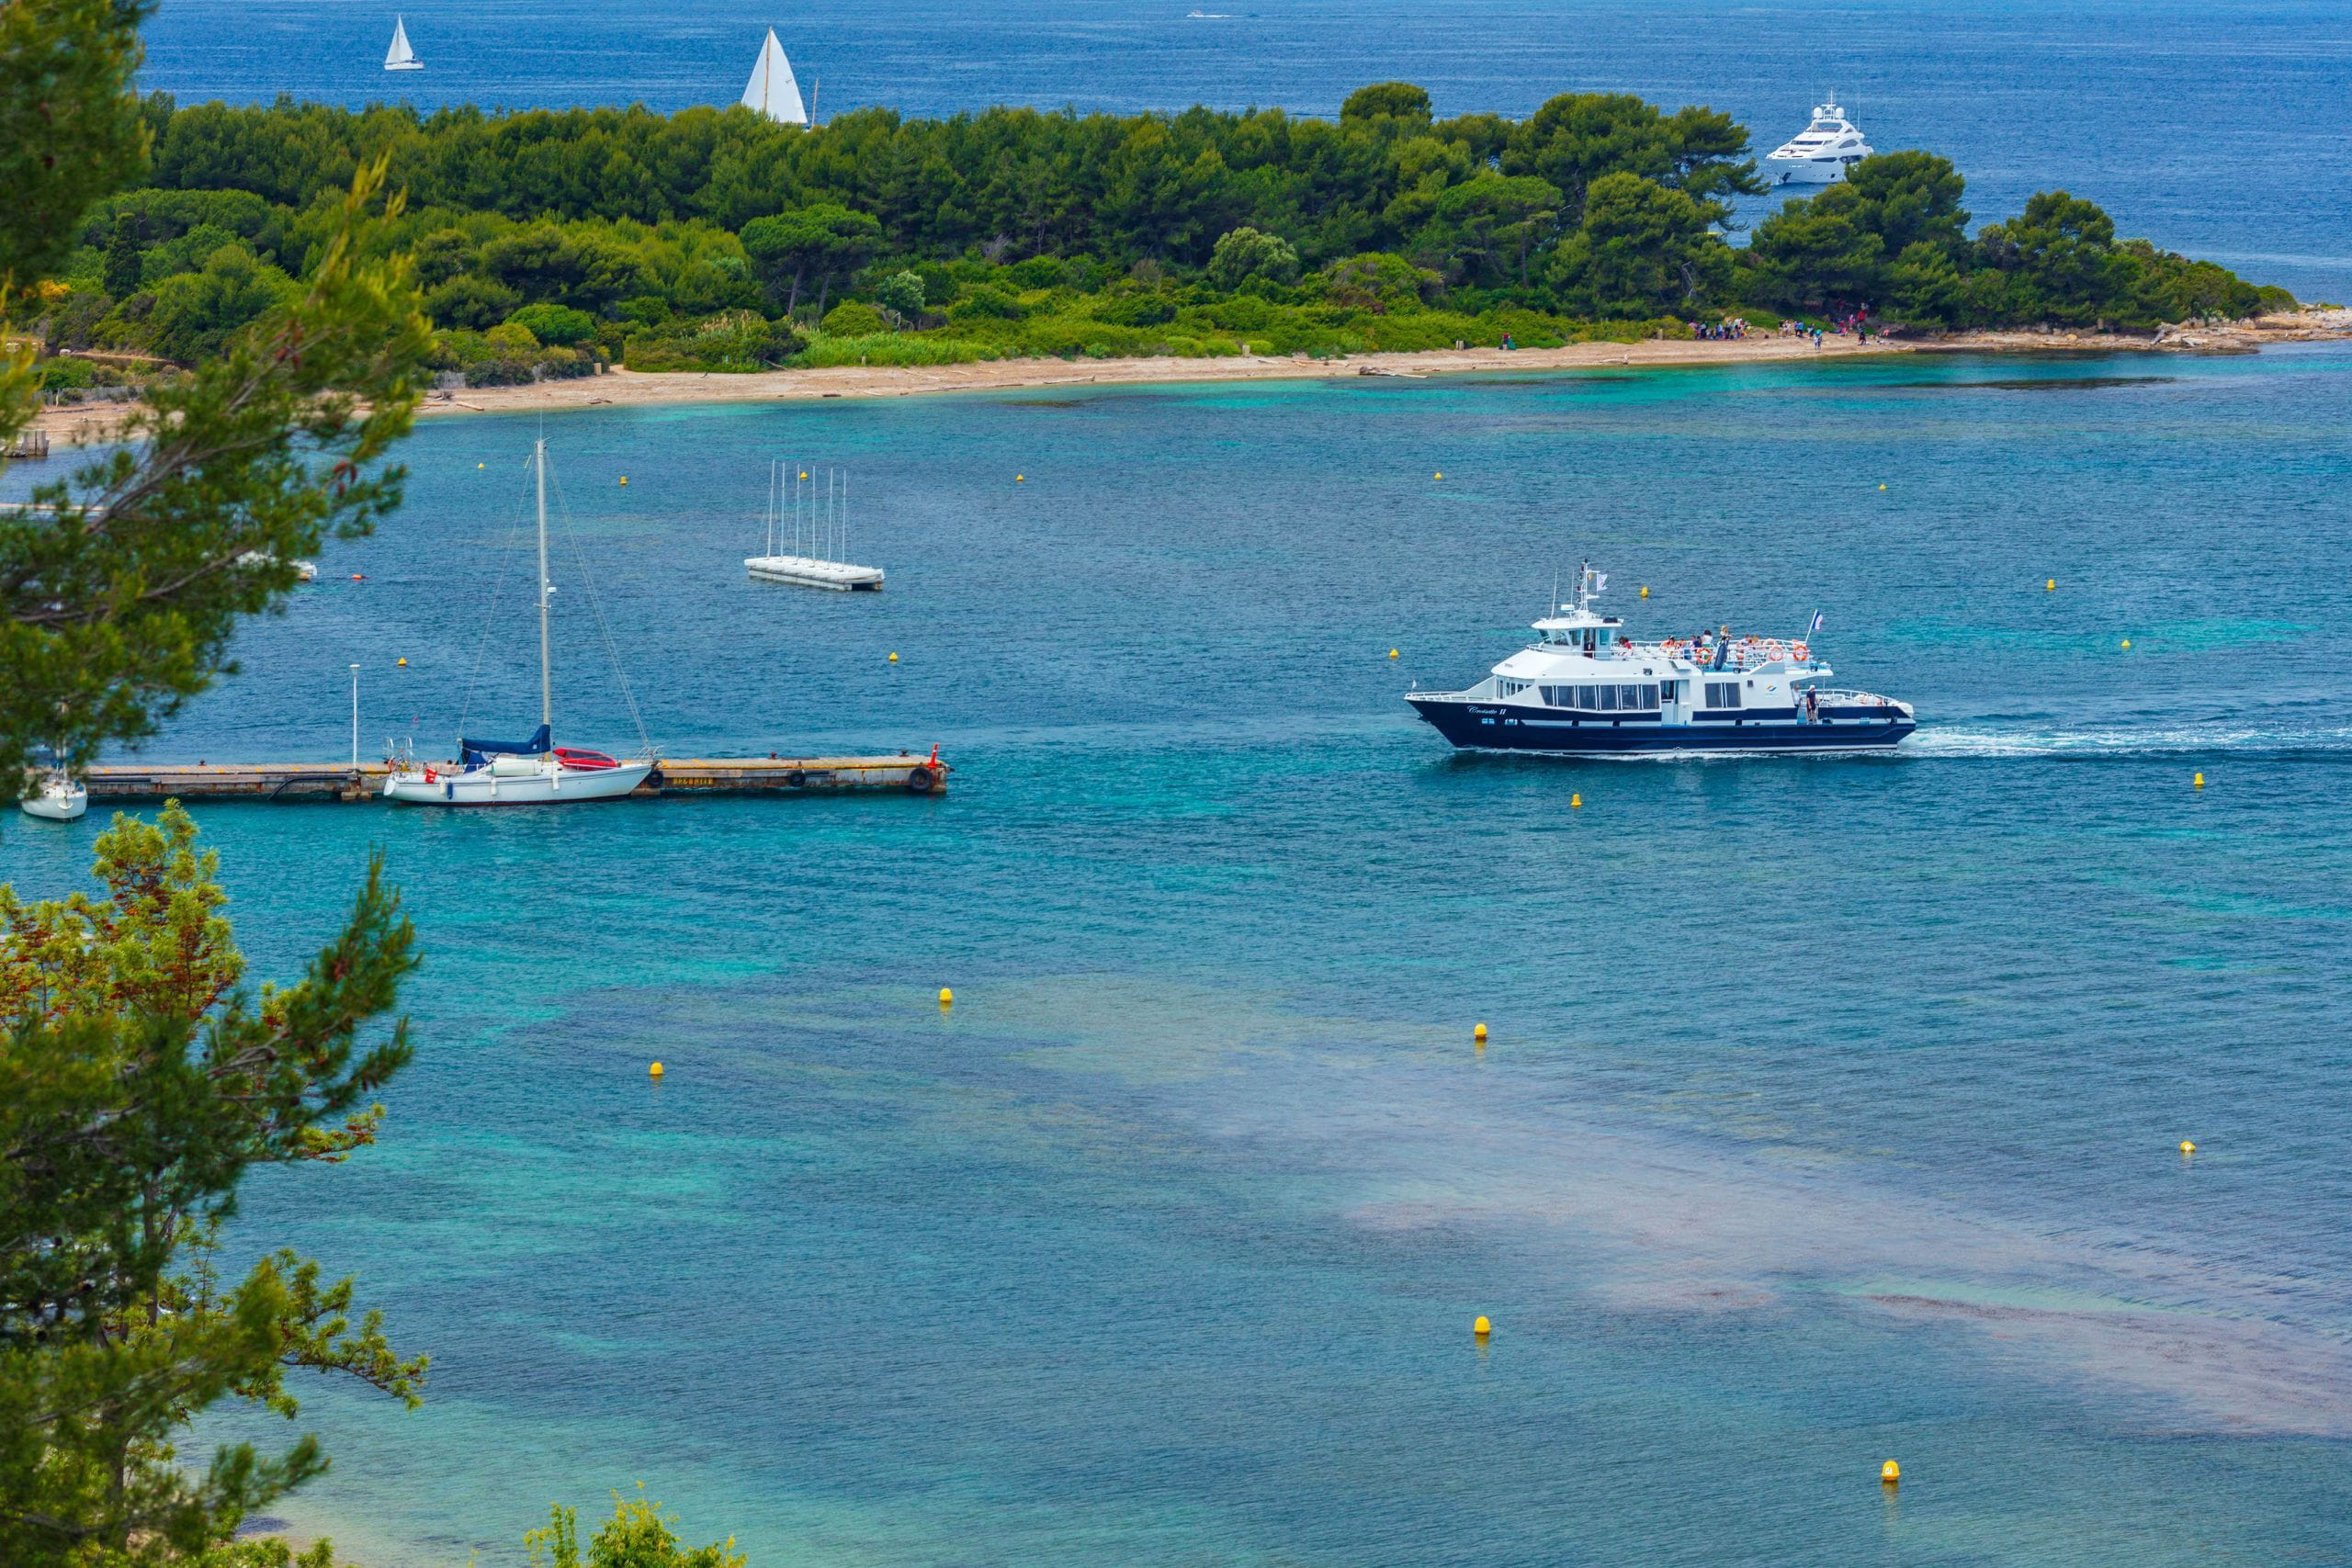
{"x":921,"y":781}
{"x":796,"y":779}
{"x":651,"y":781}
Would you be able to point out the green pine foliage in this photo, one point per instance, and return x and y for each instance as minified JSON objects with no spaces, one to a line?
{"x":639,"y":1535}
{"x":1035,"y":234}
{"x":141,"y":1081}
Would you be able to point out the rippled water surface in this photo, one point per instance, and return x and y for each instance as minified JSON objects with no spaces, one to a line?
{"x":1830,"y":1107}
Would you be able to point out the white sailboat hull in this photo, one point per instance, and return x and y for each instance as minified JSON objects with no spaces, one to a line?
{"x":57,"y":800}
{"x":405,"y":66}
{"x":549,"y":785}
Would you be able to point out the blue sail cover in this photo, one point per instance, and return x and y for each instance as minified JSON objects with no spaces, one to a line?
{"x":477,"y":753}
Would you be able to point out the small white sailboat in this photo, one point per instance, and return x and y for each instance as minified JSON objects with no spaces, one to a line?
{"x":522,"y":772}
{"x":819,"y":537}
{"x":772,"y":90}
{"x":400,"y":57}
{"x":52,"y":793}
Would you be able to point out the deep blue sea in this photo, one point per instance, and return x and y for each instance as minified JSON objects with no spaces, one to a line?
{"x":2223,"y":130}
{"x":1831,"y":1105}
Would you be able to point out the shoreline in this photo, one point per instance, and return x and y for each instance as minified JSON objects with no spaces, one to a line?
{"x":86,"y":425}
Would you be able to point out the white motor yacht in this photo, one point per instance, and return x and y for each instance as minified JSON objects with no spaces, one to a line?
{"x":1585,"y":688}
{"x":1821,"y":153}
{"x":521,"y":772}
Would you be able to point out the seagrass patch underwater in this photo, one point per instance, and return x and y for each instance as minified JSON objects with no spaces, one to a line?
{"x":1830,"y":1107}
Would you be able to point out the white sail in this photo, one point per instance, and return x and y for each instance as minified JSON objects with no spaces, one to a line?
{"x":400,"y":57}
{"x":772,"y":91}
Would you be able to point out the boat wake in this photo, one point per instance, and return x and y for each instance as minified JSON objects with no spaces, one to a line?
{"x":2131,"y":742}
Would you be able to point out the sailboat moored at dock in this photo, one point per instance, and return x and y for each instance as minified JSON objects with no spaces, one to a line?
{"x":536,"y":771}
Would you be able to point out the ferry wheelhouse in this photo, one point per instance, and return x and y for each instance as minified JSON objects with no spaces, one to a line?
{"x":1585,"y":688}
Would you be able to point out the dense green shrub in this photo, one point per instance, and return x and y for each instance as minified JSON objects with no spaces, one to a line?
{"x":556,"y":324}
{"x":853,"y":317}
{"x":1014,"y":232}
{"x":732,"y":340}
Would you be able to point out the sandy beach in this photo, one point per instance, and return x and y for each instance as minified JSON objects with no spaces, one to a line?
{"x":84,"y":425}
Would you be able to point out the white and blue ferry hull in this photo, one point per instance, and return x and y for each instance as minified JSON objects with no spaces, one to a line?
{"x":1513,"y":727}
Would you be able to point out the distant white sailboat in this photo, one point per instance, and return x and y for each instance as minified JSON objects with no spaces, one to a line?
{"x":400,"y":57}
{"x":772,"y":90}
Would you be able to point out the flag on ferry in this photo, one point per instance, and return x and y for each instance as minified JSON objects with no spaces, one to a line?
{"x":1600,"y":580}
{"x":1816,"y":624}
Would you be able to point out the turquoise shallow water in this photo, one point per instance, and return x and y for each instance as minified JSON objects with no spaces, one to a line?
{"x":1830,"y":1106}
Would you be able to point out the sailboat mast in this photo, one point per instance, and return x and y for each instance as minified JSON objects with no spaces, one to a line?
{"x":547,"y":687}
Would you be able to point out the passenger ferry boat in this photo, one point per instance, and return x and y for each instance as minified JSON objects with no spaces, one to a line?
{"x":1587,"y":689}
{"x":1821,"y":152}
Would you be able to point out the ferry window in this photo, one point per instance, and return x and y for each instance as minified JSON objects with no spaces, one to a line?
{"x":1587,"y":640}
{"x":1666,"y":690}
{"x":1588,"y":696}
{"x":1608,"y":699}
{"x":1649,"y":696}
{"x":1629,"y":696}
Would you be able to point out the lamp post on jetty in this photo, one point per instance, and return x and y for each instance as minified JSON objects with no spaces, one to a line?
{"x":355,"y":715}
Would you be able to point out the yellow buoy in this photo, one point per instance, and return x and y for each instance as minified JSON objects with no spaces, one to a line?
{"x":1437,"y":476}
{"x":1881,"y":487}
{"x":2187,"y":1147}
{"x":624,"y":479}
{"x":403,"y":664}
{"x":655,"y":1071}
{"x":2051,"y":586}
{"x":1890,"y":1472}
{"x":1576,"y":800}
{"x":1479,"y":1032}
{"x":893,"y":659}
{"x":2199,"y":780}
{"x":1020,"y":478}
{"x":1392,"y":653}
{"x":2127,"y":642}
{"x":482,"y":465}
{"x":946,"y":996}
{"x":1481,"y":1327}
{"x":1645,"y":590}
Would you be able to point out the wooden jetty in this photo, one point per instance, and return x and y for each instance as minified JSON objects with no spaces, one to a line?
{"x":905,"y":774}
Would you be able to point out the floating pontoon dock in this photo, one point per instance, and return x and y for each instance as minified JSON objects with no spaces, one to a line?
{"x":906,"y":773}
{"x":817,"y":532}
{"x":811,"y":572}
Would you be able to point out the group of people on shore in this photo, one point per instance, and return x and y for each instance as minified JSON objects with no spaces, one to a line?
{"x":1843,"y":321}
